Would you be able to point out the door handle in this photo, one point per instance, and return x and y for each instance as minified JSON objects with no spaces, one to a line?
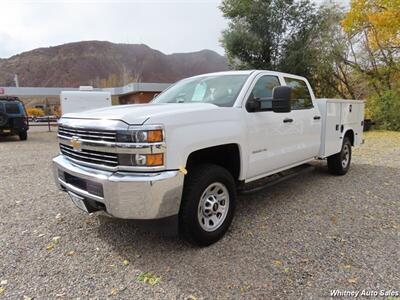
{"x":287,"y":120}
{"x":317,"y":117}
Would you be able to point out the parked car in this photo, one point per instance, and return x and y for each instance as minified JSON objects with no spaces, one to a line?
{"x":184,"y":155}
{"x":13,"y":117}
{"x":368,"y":123}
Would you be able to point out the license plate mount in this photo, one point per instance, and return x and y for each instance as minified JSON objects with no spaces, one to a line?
{"x":78,"y":201}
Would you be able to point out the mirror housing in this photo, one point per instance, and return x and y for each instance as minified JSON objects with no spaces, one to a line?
{"x":253,"y":104}
{"x":281,"y":98}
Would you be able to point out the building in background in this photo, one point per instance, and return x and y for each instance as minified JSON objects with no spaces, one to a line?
{"x":137,"y":92}
{"x":48,"y":99}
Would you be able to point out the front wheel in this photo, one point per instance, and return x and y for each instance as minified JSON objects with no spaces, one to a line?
{"x":339,"y":163}
{"x":208,"y":204}
{"x":23,"y":135}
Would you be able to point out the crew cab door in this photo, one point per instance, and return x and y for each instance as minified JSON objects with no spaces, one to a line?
{"x":307,"y":118}
{"x":272,"y":138}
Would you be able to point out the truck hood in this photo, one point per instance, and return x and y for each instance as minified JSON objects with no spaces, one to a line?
{"x":138,"y":114}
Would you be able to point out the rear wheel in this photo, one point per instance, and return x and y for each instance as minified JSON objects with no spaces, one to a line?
{"x":23,"y":135}
{"x":339,"y":163}
{"x":3,"y":119}
{"x":208,"y":204}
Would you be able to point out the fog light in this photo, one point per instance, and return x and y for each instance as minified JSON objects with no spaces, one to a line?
{"x":139,"y":160}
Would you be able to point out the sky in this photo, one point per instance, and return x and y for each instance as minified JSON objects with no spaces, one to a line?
{"x":167,"y":25}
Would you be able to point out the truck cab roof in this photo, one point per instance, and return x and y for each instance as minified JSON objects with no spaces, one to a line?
{"x":253,"y":72}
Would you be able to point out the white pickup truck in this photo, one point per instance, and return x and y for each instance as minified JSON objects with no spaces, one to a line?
{"x":184,"y":155}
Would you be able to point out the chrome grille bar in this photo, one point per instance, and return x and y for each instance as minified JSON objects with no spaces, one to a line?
{"x":88,"y":156}
{"x":92,"y":153}
{"x":104,"y":135}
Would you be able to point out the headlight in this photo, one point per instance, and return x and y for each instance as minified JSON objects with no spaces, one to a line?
{"x":148,"y":155}
{"x":140,"y":136}
{"x":141,"y":160}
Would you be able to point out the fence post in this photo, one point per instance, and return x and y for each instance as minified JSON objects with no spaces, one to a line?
{"x":48,"y":122}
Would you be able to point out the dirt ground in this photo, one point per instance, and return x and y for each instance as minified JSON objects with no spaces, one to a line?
{"x":299,"y":239}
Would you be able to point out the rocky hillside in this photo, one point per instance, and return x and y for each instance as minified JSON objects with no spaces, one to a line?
{"x":104,"y":64}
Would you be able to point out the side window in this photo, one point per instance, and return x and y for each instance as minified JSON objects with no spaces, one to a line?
{"x":263,"y":90}
{"x":12,"y":108}
{"x":301,"y":98}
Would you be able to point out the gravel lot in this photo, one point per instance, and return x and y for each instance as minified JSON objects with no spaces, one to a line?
{"x":298,"y":240}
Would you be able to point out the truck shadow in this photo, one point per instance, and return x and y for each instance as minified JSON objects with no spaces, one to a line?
{"x":13,"y":138}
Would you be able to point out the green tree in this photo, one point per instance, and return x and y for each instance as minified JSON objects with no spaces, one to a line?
{"x":329,"y":49}
{"x":373,"y":29}
{"x":259,"y":31}
{"x":290,"y":36}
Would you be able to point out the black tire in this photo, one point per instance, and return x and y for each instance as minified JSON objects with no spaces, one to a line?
{"x":339,"y":163}
{"x":3,"y":119}
{"x":23,"y":135}
{"x":199,"y":179}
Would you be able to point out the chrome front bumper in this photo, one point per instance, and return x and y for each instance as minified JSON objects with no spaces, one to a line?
{"x":126,"y":195}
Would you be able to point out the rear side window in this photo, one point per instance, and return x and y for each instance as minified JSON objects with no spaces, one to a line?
{"x":12,"y":108}
{"x":1,"y":107}
{"x":301,"y":98}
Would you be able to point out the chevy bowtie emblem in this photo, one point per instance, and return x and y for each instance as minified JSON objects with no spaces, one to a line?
{"x":76,"y":143}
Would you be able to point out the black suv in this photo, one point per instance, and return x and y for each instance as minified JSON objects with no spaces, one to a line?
{"x":13,"y":117}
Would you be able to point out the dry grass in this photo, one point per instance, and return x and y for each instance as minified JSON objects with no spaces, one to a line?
{"x":381,"y":148}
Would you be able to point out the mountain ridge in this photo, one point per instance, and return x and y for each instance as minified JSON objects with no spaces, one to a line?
{"x":102,"y":64}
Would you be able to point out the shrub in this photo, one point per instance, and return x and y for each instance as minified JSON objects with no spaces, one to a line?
{"x":35,"y":112}
{"x":57,"y":111}
{"x":386,"y":109}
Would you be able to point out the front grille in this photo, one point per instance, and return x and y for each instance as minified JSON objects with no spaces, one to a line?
{"x":90,"y":156}
{"x":87,"y":134}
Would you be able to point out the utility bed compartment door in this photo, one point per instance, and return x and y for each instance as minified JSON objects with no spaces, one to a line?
{"x":337,"y":117}
{"x":330,"y":135}
{"x":352,"y":117}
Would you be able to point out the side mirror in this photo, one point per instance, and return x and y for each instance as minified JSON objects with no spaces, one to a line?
{"x":281,"y":98}
{"x":253,"y":104}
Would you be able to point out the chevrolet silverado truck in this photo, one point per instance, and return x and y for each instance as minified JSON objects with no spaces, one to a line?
{"x":185,"y":154}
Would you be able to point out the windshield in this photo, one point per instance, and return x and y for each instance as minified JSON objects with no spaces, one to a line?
{"x":220,"y":90}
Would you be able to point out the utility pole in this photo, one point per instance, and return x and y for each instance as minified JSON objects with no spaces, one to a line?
{"x":16,"y":80}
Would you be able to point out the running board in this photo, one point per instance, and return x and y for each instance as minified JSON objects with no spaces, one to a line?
{"x":271,"y":180}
